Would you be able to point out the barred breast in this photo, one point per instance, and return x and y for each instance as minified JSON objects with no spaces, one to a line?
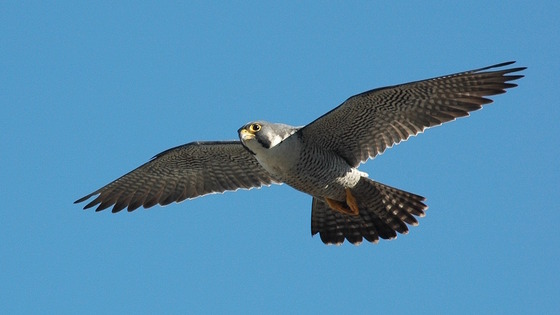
{"x":310,"y":169}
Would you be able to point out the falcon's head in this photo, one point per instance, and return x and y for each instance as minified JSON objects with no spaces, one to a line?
{"x":261,"y":135}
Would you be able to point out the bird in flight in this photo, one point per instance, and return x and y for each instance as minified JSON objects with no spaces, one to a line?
{"x":320,"y":159}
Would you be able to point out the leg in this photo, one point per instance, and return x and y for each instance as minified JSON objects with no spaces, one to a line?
{"x":350,"y":207}
{"x":351,"y":202}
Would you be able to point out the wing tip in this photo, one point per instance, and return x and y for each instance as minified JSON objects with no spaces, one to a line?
{"x":84,"y":198}
{"x":501,"y":65}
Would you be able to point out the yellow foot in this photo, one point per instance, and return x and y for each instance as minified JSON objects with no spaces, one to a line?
{"x":350,"y":207}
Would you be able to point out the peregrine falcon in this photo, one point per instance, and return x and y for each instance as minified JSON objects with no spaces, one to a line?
{"x":320,"y":159}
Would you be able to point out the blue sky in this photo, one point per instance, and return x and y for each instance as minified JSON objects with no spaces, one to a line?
{"x":91,"y":90}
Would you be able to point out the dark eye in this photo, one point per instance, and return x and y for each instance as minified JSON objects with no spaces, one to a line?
{"x":255,"y":127}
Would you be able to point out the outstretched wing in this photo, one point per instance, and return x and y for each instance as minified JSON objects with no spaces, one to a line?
{"x":186,"y":171}
{"x":368,"y":123}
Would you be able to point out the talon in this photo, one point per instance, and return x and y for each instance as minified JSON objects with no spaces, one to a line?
{"x":350,"y":207}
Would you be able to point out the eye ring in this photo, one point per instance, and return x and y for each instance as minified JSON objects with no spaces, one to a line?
{"x":255,"y":127}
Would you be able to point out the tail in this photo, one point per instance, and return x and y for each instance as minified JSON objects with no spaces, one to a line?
{"x":383,"y":211}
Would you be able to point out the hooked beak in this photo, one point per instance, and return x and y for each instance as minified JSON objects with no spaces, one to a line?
{"x":245,"y":135}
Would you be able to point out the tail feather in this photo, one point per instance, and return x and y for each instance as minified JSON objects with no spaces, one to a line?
{"x":384,"y":212}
